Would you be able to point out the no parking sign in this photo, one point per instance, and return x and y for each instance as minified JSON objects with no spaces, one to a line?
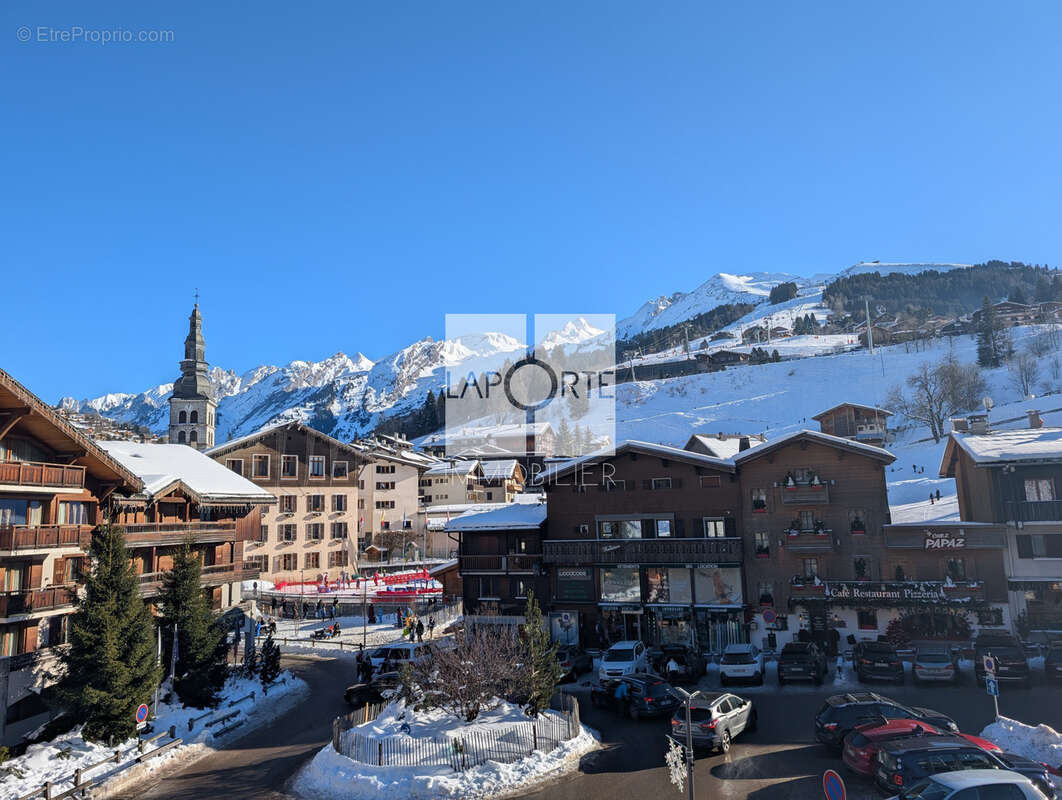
{"x":833,"y":786}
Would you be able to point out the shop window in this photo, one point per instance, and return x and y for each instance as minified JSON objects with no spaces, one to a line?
{"x":867,"y":619}
{"x":718,"y":585}
{"x":763,"y":544}
{"x":658,"y":586}
{"x":759,"y":501}
{"x":1038,"y":490}
{"x":620,"y":585}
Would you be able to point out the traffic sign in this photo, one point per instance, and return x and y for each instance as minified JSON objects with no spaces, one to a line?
{"x":142,"y":713}
{"x":989,"y":664}
{"x":833,"y":786}
{"x":992,"y":686}
{"x":769,"y":616}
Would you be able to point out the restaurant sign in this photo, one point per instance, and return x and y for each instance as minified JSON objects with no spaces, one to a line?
{"x":945,"y":540}
{"x":870,"y":592}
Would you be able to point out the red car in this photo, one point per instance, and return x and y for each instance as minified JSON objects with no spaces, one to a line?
{"x":860,"y":751}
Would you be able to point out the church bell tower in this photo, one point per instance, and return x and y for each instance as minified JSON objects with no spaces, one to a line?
{"x":192,"y":406}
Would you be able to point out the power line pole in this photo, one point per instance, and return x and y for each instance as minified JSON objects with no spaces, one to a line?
{"x":686,"y":330}
{"x":870,"y":333}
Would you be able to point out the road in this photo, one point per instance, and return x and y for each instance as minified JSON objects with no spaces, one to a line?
{"x":780,"y":761}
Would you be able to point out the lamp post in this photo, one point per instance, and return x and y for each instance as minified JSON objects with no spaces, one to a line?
{"x":686,"y":699}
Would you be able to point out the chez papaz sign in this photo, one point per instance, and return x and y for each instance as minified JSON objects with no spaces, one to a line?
{"x":945,"y":540}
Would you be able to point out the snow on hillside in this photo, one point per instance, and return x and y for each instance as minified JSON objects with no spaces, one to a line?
{"x":887,"y":268}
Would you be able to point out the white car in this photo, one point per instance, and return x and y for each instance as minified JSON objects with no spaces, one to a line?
{"x":1000,"y":783}
{"x":741,"y":662}
{"x":623,"y":658}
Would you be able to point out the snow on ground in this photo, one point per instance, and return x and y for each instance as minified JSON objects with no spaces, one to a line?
{"x":332,"y":775}
{"x":56,"y":760}
{"x":1038,"y":742}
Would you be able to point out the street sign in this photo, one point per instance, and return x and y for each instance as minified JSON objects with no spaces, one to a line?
{"x":769,"y":616}
{"x":142,"y":713}
{"x":989,"y":664}
{"x":992,"y":686}
{"x":833,"y":786}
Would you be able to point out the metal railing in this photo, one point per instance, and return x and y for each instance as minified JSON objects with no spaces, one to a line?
{"x":35,"y":473}
{"x":641,"y":551}
{"x":35,"y":537}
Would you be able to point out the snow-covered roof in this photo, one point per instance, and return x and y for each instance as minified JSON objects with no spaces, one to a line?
{"x":500,"y":468}
{"x":647,"y":448}
{"x":822,"y":438}
{"x":727,"y":447}
{"x":452,"y":468}
{"x":1007,"y":446}
{"x":873,"y":409}
{"x":510,"y":517}
{"x":162,"y":466}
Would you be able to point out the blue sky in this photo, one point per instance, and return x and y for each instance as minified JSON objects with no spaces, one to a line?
{"x":340,"y":176}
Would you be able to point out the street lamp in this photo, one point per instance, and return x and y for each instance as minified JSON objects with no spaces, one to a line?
{"x":687,"y":698}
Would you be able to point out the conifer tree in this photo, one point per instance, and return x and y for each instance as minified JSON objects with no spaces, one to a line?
{"x":991,"y":343}
{"x":543,"y":671}
{"x":269,"y":669}
{"x":201,"y":644}
{"x":110,"y":666}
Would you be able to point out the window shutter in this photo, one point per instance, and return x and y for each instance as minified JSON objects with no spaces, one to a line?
{"x":730,"y":526}
{"x":58,"y":571}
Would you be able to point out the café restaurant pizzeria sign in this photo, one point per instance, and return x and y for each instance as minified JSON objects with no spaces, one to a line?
{"x":945,"y":540}
{"x":882,"y":592}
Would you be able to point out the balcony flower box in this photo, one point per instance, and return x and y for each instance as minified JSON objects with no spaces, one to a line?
{"x":858,"y":529}
{"x":759,"y":507}
{"x":763,"y":552}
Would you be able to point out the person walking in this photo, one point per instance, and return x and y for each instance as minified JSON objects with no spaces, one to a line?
{"x":320,"y":609}
{"x":420,"y":630}
{"x":335,"y":607}
{"x":431,"y":627}
{"x":332,"y":612}
{"x":273,"y":605}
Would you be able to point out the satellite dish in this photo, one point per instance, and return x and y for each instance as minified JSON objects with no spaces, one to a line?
{"x":880,"y":309}
{"x":988,"y":402}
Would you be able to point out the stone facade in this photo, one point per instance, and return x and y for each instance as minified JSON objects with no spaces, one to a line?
{"x":193,"y":410}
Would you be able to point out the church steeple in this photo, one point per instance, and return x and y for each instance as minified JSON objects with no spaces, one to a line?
{"x":192,"y":405}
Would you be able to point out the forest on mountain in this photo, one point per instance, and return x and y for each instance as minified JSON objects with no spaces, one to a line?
{"x":952,"y":292}
{"x":703,"y":324}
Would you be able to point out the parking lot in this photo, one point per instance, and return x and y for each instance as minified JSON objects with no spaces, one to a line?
{"x":781,"y":760}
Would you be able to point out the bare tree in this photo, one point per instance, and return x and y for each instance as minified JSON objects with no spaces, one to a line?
{"x":1024,"y":371}
{"x":935,"y":393}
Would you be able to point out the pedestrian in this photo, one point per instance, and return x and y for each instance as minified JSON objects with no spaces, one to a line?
{"x":938,"y":495}
{"x":932,"y":499}
{"x":320,"y":609}
{"x":332,"y":612}
{"x":273,"y":605}
{"x":672,"y":670}
{"x":305,"y":610}
{"x":335,"y":607}
{"x":420,"y":631}
{"x":431,"y":627}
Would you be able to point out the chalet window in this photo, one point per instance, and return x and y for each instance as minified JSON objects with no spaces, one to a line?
{"x":337,"y":558}
{"x":714,"y":527}
{"x":385,"y":485}
{"x":759,"y":501}
{"x":73,"y":513}
{"x":661,"y":483}
{"x":312,"y":561}
{"x":867,"y":619}
{"x":956,"y":569}
{"x":288,"y":533}
{"x":811,"y":567}
{"x":763,"y":544}
{"x":807,"y":520}
{"x":260,"y":466}
{"x":615,"y":486}
{"x":520,"y":587}
{"x":317,"y":466}
{"x":1039,"y":489}
{"x":287,"y":504}
{"x":339,"y":469}
{"x":711,"y":481}
{"x":289,"y":562}
{"x":620,"y":529}
{"x":488,"y":588}
{"x":289,"y":466}
{"x":235,"y":464}
{"x":766,"y":591}
{"x":857,"y":520}
{"x":339,"y":502}
{"x":384,"y":504}
{"x":315,"y":531}
{"x":339,"y":530}
{"x":263,"y":533}
{"x":1039,"y":545}
{"x":385,"y":469}
{"x":72,"y":570}
{"x":663,"y":528}
{"x":315,"y":503}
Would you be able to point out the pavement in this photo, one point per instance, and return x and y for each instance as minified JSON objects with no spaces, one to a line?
{"x":779,"y":761}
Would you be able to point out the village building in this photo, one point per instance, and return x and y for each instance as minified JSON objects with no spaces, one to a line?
{"x":503,"y":479}
{"x":722,"y":445}
{"x":193,"y":408}
{"x":867,"y":424}
{"x":453,"y":482}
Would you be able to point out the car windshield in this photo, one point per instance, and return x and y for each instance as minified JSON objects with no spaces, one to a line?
{"x":623,"y":654}
{"x":925,"y":790}
{"x":738,"y":658}
{"x":933,"y":658}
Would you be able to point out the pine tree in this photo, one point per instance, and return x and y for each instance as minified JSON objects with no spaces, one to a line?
{"x":110,"y":666}
{"x":201,"y":645}
{"x":991,"y":344}
{"x":269,"y":670}
{"x":543,"y":671}
{"x":564,"y":437}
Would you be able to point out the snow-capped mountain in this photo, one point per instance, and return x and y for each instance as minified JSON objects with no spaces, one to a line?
{"x":574,"y":331}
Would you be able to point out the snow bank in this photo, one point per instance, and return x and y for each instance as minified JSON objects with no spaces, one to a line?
{"x":1040,"y":742}
{"x":333,"y":775}
{"x":56,"y":760}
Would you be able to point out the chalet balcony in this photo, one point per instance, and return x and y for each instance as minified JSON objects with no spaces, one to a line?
{"x":1033,"y":511}
{"x":642,"y":551}
{"x":20,"y":538}
{"x":159,"y":533}
{"x":31,"y":600}
{"x":805,"y":494}
{"x":34,"y":473}
{"x":808,"y":541}
{"x":213,"y":575}
{"x":513,"y":564}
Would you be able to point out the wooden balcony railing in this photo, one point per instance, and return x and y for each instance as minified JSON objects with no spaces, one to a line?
{"x":805,"y":494}
{"x":155,"y":532}
{"x":34,"y":473}
{"x":513,"y":563}
{"x":642,"y":551}
{"x":28,"y":601}
{"x":1034,"y":511}
{"x":37,"y":537}
{"x":213,"y":575}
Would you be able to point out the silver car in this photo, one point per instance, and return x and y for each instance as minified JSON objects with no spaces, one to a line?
{"x":716,"y":717}
{"x":934,"y":664}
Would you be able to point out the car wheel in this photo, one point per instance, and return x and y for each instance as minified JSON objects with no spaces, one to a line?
{"x":724,"y":743}
{"x":634,"y":713}
{"x":751,"y":725}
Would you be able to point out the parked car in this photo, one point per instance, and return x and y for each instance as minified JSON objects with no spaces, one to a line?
{"x":646,"y":696}
{"x":622,"y":658}
{"x":842,"y":713}
{"x":399,"y":654}
{"x":987,"y":783}
{"x":876,"y":660}
{"x":690,"y":662}
{"x":573,"y":661}
{"x":906,"y":761}
{"x":376,"y":690}
{"x":1053,"y":663}
{"x":1011,"y":664}
{"x":716,"y":718}
{"x":801,"y":661}
{"x":1033,"y":770}
{"x":741,"y":662}
{"x":934,"y":664}
{"x":861,"y":746}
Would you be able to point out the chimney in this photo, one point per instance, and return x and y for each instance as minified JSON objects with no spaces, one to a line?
{"x":978,"y":424}
{"x":743,"y":444}
{"x":1034,"y":419}
{"x":720,"y":436}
